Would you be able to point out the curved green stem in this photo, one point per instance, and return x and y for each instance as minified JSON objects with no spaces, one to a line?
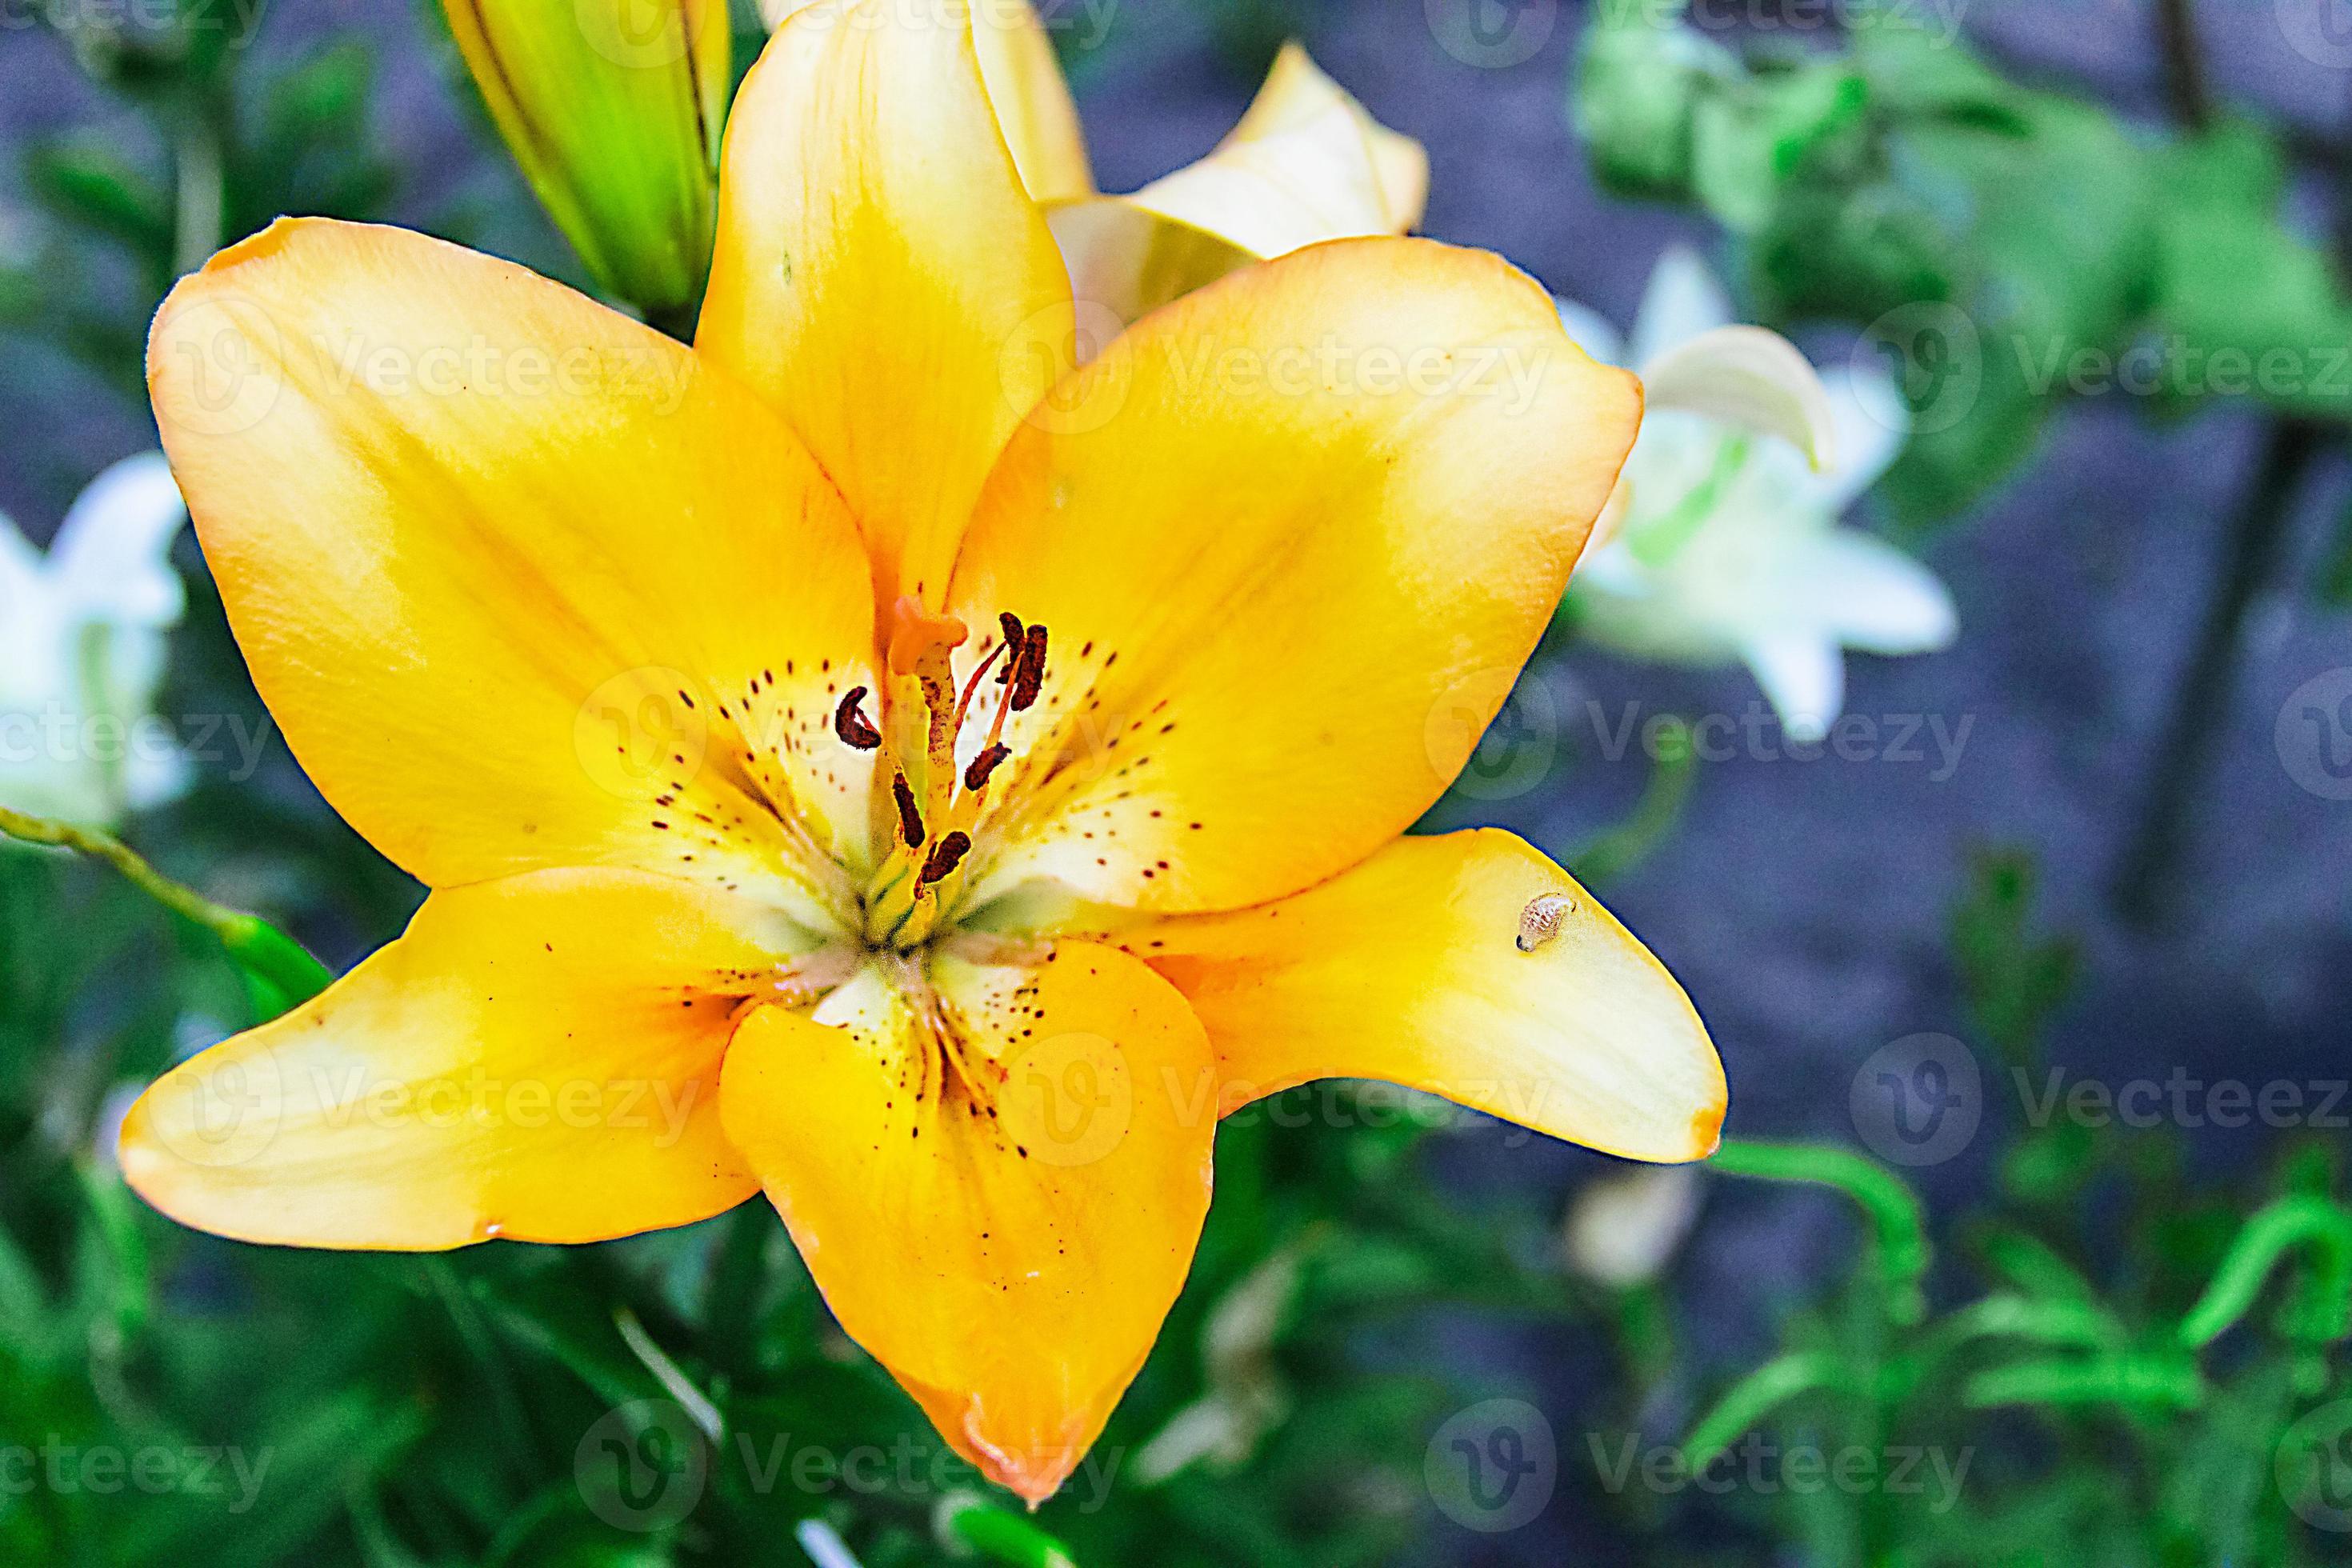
{"x":1755,"y":1396}
{"x":1620,"y":848}
{"x":2072,"y":1324}
{"x":2324,"y":1309}
{"x":2102,"y":1380}
{"x":262,"y":952}
{"x":1897,"y":1223}
{"x":965,"y":1521}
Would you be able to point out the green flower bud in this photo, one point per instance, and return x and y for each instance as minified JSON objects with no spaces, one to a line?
{"x":613,"y":110}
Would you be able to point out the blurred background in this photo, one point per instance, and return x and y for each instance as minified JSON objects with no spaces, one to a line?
{"x":2031,"y":974}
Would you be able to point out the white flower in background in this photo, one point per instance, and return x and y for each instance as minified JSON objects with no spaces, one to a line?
{"x":1623,"y":1228}
{"x":82,"y":652}
{"x":1722,"y":545}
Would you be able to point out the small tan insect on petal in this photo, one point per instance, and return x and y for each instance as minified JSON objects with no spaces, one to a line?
{"x":1540,"y":921}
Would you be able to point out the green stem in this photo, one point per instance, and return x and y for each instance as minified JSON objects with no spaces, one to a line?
{"x":1898,"y":1224}
{"x":1613,"y":853}
{"x":2074,"y":1324}
{"x":259,"y":947}
{"x":2323,"y":1311}
{"x":2258,"y":535}
{"x":1757,"y":1395}
{"x":2102,"y":1380}
{"x":965,"y":1522}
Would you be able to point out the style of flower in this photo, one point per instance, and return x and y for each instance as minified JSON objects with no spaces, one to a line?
{"x":82,"y":652}
{"x":1726,"y":548}
{"x":843,"y":771}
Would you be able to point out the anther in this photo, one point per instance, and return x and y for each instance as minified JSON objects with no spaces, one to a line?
{"x":1031,"y":675}
{"x":911,"y":817}
{"x":853,"y":728}
{"x":975,"y":775}
{"x":945,"y":856}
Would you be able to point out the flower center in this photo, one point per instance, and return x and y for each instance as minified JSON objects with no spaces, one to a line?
{"x":933,"y":804}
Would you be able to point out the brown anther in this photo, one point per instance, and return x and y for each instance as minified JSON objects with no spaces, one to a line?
{"x":975,"y":776}
{"x":1031,"y":675}
{"x":853,"y":728}
{"x":945,"y":856}
{"x":910,"y":817}
{"x":1016,"y":640}
{"x":915,"y":631}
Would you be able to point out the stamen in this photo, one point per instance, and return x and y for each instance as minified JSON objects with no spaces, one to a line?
{"x":946,"y":857}
{"x":911,"y":817}
{"x":855,"y":729}
{"x":975,"y":777}
{"x":963,"y":705}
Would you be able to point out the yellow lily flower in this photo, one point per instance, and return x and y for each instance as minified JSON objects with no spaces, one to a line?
{"x":613,"y":109}
{"x":1306,"y":163}
{"x":843,"y":773}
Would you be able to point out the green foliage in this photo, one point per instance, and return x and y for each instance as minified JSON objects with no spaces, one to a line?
{"x":2007,"y":247}
{"x":2155,"y":1418}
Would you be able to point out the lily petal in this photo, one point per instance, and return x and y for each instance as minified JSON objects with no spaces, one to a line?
{"x":1032,"y":103}
{"x":882,"y":275}
{"x":470,"y":527}
{"x":1873,"y":596}
{"x":1682,"y":299}
{"x":1802,"y":671}
{"x":1025,"y":85}
{"x":537,"y":1058}
{"x":1752,"y":378}
{"x":112,"y":556}
{"x":1308,"y":162}
{"x":1292,"y":538}
{"x":1872,"y":424}
{"x":1408,"y":969}
{"x":1003,"y":1217}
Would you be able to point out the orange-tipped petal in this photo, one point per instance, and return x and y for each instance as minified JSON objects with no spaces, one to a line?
{"x":1411,"y":968}
{"x":998,"y":1189}
{"x":1293,"y":538}
{"x":537,"y":1058}
{"x":508,"y":566}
